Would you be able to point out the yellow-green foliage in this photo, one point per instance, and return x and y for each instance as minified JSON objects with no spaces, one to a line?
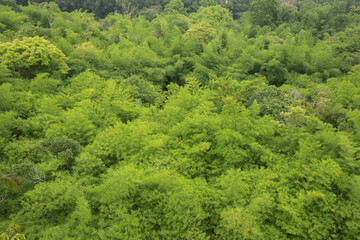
{"x":194,"y":121}
{"x":201,"y":31}
{"x":31,"y":55}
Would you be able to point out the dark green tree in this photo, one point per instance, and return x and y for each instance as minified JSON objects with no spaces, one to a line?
{"x":264,"y":12}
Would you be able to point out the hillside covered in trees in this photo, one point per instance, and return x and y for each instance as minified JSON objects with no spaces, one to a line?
{"x":159,"y":119}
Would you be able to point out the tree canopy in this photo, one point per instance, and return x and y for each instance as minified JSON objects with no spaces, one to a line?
{"x":180,"y":119}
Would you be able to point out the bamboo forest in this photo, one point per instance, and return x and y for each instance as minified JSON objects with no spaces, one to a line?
{"x":180,"y":119}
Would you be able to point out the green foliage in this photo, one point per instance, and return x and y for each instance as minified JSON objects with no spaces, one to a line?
{"x":272,"y":101}
{"x":165,"y":119}
{"x":10,"y":20}
{"x":151,"y":204}
{"x":32,"y":55}
{"x":10,"y":233}
{"x":264,"y":12}
{"x":4,"y":72}
{"x":142,"y":89}
{"x":201,"y":32}
{"x":347,"y":91}
{"x":175,"y":6}
{"x":43,"y":84}
{"x":64,"y":149}
{"x":348,"y":45}
{"x":88,"y":52}
{"x":9,"y":182}
{"x":213,"y":15}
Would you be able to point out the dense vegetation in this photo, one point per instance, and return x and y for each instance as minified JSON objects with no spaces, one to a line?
{"x":165,"y":119}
